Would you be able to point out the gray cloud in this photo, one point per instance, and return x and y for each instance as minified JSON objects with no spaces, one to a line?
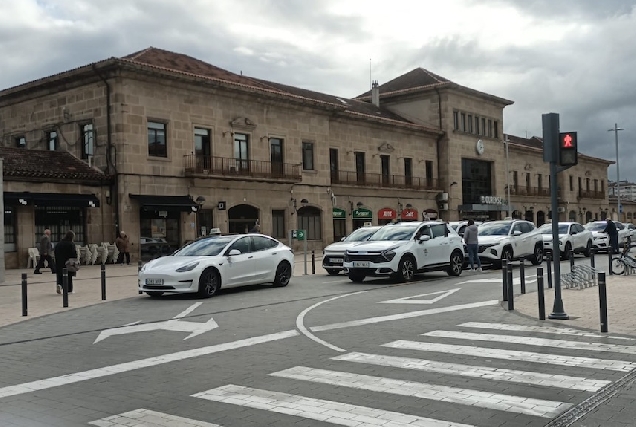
{"x":587,"y":77}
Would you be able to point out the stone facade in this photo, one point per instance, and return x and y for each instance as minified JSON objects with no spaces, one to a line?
{"x":417,"y":129}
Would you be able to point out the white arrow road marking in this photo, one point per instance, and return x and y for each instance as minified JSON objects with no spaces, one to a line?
{"x":415,"y":298}
{"x":174,"y":324}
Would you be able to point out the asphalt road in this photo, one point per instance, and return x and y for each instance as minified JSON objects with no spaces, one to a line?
{"x":323,"y":351}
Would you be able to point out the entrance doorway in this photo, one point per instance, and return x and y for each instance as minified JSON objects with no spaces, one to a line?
{"x":241,"y":218}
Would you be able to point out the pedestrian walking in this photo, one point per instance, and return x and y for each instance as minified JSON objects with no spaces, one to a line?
{"x":65,"y":251}
{"x":122,"y":242}
{"x":612,"y":232}
{"x":46,"y":251}
{"x":471,"y":239}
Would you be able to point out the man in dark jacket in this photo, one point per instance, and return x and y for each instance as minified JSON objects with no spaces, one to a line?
{"x":612,"y":232}
{"x":45,"y":249}
{"x":64,"y":251}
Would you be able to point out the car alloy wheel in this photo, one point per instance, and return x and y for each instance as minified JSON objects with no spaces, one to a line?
{"x":407,"y":269}
{"x":283,"y":274}
{"x":209,"y":283}
{"x":456,"y":264}
{"x":537,"y":258}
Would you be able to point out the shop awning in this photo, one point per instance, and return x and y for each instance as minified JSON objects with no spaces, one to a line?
{"x":51,"y":199}
{"x":166,"y":203}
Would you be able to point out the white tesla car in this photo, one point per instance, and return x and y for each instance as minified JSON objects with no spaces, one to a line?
{"x":205,"y":265}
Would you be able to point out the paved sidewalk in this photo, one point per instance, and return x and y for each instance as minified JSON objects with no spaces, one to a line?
{"x":121,"y":283}
{"x":583,"y":305}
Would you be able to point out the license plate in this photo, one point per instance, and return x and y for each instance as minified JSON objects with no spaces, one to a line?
{"x":361,"y":264}
{"x":337,"y":260}
{"x":154,"y":281}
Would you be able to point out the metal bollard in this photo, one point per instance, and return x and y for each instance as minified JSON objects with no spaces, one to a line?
{"x":540,"y":293}
{"x":592,"y":260}
{"x":610,"y":252}
{"x":602,"y":296}
{"x":64,"y":288}
{"x":549,"y":264}
{"x":522,"y":275}
{"x":511,"y":291}
{"x":103,"y":282}
{"x":571,"y":261}
{"x":313,"y":261}
{"x":138,"y":270}
{"x":25,"y":312}
{"x":504,"y":273}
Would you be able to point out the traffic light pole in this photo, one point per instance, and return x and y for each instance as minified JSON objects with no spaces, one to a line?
{"x":551,"y":153}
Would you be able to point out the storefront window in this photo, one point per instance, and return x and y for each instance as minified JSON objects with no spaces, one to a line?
{"x":9,"y":229}
{"x":476,"y":180}
{"x":159,"y":232}
{"x":59,"y":220}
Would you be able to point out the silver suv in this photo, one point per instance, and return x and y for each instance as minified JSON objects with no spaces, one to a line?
{"x":403,"y":249}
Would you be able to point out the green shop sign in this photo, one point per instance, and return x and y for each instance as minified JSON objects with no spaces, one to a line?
{"x":339,"y":213}
{"x":362,"y":213}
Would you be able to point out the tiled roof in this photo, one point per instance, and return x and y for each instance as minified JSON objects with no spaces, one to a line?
{"x":23,"y":163}
{"x":418,"y":78}
{"x":421,"y":79}
{"x":184,"y":64}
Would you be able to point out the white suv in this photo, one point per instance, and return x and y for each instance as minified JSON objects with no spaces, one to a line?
{"x":573,"y":238}
{"x":510,"y":239}
{"x":333,"y":255}
{"x":403,"y":249}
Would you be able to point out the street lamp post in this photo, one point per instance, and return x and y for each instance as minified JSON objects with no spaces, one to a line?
{"x":618,"y":175}
{"x":506,"y":142}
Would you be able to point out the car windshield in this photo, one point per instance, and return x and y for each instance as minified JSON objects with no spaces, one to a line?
{"x":360,"y":234}
{"x":210,"y":246}
{"x":547,"y":229}
{"x":395,"y":232}
{"x":596,"y":226}
{"x":495,"y":229}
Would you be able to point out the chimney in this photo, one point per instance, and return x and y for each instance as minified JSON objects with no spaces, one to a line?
{"x":375,"y":93}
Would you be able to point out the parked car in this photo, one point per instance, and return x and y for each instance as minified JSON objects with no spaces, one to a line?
{"x":601,"y":240}
{"x":460,"y":226}
{"x":403,"y":249}
{"x":573,"y":238}
{"x":510,"y":239}
{"x":632,"y":231}
{"x":333,"y":255}
{"x":153,"y":247}
{"x":208,"y":263}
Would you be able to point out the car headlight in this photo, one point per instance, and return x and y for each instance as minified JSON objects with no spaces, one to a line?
{"x":346,"y":257}
{"x":187,"y":267}
{"x":388,"y":254}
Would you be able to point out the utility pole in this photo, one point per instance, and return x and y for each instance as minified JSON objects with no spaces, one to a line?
{"x":618,"y":175}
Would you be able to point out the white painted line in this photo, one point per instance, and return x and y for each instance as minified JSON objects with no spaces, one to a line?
{"x":539,"y":329}
{"x":485,"y":372}
{"x":338,"y":413}
{"x":415,"y":299}
{"x":511,"y":339}
{"x":148,"y":418}
{"x":187,"y":311}
{"x":300,"y":322}
{"x":524,"y":356}
{"x":409,"y":315}
{"x":462,"y":396}
{"x":174,"y":324}
{"x":106,"y":371}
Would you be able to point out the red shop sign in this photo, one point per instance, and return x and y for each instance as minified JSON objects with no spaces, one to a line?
{"x":387,"y":213}
{"x":409,"y":214}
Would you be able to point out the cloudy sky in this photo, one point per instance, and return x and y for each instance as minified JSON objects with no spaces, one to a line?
{"x":573,"y":57}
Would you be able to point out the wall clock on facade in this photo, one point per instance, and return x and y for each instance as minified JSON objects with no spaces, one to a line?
{"x":479,"y":147}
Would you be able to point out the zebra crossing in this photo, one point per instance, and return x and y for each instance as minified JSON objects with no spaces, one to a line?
{"x":518,"y":381}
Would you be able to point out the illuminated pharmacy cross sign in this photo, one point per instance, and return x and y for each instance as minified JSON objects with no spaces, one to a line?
{"x":567,"y":141}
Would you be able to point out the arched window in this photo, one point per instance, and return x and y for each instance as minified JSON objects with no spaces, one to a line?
{"x":572,"y":216}
{"x":310,"y":219}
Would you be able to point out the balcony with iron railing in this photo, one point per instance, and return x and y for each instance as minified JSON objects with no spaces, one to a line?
{"x":200,"y":165}
{"x":530,"y":191}
{"x":385,"y":181}
{"x":591,"y":194}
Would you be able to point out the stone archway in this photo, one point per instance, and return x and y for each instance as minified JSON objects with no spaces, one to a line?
{"x":572,"y":216}
{"x":242,"y":218}
{"x":529,"y":216}
{"x":588,"y":217}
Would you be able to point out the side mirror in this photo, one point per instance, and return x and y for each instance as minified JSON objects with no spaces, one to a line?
{"x":342,"y":239}
{"x":517,"y":233}
{"x":234,"y":252}
{"x":424,"y":238}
